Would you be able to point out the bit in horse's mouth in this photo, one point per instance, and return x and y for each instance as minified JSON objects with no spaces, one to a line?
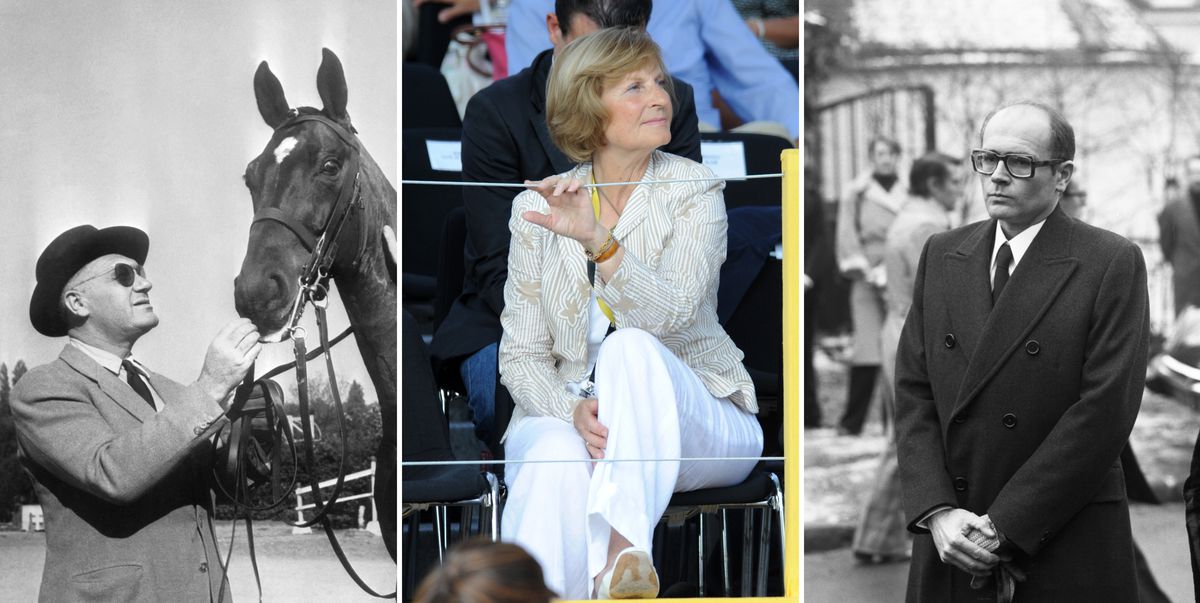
{"x":278,"y":336}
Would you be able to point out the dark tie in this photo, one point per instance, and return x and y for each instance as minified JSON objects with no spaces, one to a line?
{"x":134,"y":378}
{"x":1004,"y":259}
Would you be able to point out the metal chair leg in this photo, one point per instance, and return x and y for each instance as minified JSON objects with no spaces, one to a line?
{"x":725,"y":578}
{"x":438,"y":531}
{"x":494,"y":503}
{"x":466,"y":523}
{"x":700,"y":551}
{"x":747,"y":549}
{"x":763,"y":552}
{"x":778,"y":505}
{"x":414,"y":530}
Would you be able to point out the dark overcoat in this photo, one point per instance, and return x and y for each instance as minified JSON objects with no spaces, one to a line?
{"x":1020,"y":411}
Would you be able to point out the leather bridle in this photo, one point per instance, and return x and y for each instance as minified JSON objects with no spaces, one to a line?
{"x":313,"y":280}
{"x":245,"y":463}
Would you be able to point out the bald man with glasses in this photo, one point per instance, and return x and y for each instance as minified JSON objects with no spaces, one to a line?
{"x":1019,"y":375}
{"x":120,"y":456}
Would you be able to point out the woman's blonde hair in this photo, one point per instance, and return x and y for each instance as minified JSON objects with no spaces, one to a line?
{"x":575,"y":113}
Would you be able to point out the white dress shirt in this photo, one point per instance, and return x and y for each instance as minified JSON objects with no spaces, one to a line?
{"x":1018,"y":244}
{"x":115,"y":365}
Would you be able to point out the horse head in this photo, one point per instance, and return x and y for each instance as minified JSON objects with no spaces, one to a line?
{"x":312,"y":171}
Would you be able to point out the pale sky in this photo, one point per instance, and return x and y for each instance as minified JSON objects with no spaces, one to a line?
{"x":143,"y":113}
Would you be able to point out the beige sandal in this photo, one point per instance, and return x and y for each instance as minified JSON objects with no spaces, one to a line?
{"x":632,"y":576}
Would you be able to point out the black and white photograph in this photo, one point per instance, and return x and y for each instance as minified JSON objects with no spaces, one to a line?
{"x":1001,"y":204}
{"x":193,"y":193}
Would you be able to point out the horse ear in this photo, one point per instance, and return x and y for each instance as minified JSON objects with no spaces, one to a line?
{"x":331,"y":85}
{"x":269,"y":93}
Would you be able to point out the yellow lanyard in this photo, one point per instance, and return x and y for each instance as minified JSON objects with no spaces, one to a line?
{"x":596,"y":208}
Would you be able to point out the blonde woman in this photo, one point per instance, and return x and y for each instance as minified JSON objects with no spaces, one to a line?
{"x":611,"y":345}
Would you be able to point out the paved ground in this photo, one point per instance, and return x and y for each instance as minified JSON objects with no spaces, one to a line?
{"x":293,"y":568}
{"x":834,"y":577}
{"x":838,"y":469}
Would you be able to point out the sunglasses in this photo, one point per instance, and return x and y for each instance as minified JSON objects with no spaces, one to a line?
{"x":1019,"y":165}
{"x":123,"y":273}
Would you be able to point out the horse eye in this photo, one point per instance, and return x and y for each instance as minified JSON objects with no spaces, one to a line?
{"x":330,"y":167}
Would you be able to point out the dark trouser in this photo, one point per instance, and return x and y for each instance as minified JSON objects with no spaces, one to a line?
{"x":812,"y":405}
{"x":858,"y":400}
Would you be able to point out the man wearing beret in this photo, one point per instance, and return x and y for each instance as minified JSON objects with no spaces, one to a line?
{"x":120,"y":455}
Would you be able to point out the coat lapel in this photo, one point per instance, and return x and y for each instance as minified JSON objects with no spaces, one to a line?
{"x":970,"y":297}
{"x":1033,"y":287}
{"x":638,"y":206}
{"x":110,"y":384}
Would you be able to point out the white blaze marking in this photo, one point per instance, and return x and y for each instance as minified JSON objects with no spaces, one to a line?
{"x":285,"y":146}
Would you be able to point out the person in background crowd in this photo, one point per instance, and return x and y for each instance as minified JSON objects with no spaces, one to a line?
{"x":936,"y":182}
{"x":1074,"y":200}
{"x":814,"y":239}
{"x":865,"y":212}
{"x":1074,"y":204}
{"x":705,"y":44}
{"x":1179,"y":235}
{"x":1019,"y":375}
{"x":776,"y":23}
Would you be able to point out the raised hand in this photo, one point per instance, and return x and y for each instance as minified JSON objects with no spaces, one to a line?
{"x":571,"y":213}
{"x":230,"y":355}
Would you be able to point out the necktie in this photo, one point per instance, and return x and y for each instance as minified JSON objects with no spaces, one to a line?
{"x":1004,"y":259}
{"x":134,"y":378}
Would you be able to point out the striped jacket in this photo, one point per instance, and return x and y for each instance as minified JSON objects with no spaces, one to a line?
{"x":674,"y":239}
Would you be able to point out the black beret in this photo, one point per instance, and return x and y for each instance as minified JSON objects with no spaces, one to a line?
{"x":66,"y":255}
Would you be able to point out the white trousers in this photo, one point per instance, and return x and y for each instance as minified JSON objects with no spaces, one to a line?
{"x":655,"y":407}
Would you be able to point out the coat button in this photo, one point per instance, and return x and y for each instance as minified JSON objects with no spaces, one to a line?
{"x":204,"y":567}
{"x":1032,"y":347}
{"x":1009,"y":420}
{"x":960,"y":484}
{"x":950,"y":341}
{"x":960,"y":419}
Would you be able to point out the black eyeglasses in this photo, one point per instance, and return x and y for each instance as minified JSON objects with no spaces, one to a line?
{"x":1019,"y":165}
{"x":123,"y":273}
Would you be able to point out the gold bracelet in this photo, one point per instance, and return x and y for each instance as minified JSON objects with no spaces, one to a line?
{"x":605,"y":254}
{"x":604,"y":247}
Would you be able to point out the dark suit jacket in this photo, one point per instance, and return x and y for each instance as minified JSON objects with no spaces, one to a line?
{"x":123,"y":488}
{"x":505,"y":139}
{"x":1020,"y":411}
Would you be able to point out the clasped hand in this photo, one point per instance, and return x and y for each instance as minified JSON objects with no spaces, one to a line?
{"x":951,"y":530}
{"x":571,"y":213}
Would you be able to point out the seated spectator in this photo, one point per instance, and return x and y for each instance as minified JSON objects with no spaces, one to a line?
{"x":776,"y":23}
{"x":705,"y":44}
{"x":667,"y":383}
{"x":479,"y":571}
{"x":505,"y":139}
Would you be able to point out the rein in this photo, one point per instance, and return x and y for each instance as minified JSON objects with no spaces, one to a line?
{"x":245,"y":460}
